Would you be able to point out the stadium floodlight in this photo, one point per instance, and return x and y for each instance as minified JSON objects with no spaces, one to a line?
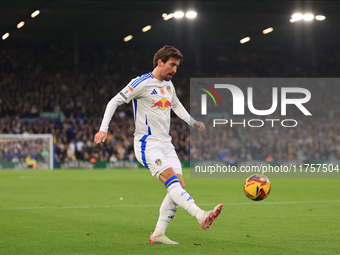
{"x":128,"y":38}
{"x":169,"y":16}
{"x":4,"y":37}
{"x":308,"y":17}
{"x":268,"y":30}
{"x":146,"y":28}
{"x":21,"y":24}
{"x":35,"y":14}
{"x":244,"y":40}
{"x":320,"y":17}
{"x":179,"y":15}
{"x":164,"y":15}
{"x":191,"y":14}
{"x":296,"y":17}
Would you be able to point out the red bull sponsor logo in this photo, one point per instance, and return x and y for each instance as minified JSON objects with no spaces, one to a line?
{"x":163,"y":104}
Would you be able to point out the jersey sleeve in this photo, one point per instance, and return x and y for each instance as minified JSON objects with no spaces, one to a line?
{"x":109,"y":111}
{"x":180,"y":111}
{"x":133,"y":89}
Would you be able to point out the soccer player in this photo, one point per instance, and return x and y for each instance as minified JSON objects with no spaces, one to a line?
{"x":153,"y":95}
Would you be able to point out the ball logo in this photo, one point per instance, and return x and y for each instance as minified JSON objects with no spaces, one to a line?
{"x":163,"y":104}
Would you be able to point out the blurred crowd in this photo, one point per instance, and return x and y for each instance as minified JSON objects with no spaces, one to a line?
{"x":307,"y":141}
{"x":29,"y":150}
{"x":44,"y":79}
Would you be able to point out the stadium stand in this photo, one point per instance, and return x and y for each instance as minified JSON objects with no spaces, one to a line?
{"x":43,"y":79}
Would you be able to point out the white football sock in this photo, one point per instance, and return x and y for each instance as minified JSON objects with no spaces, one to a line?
{"x":182,"y":198}
{"x":166,"y":214}
{"x":199,"y":215}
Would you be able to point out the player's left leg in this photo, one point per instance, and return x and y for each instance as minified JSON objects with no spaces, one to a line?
{"x":167,"y":211}
{"x":168,"y":207}
{"x":166,"y":214}
{"x":152,"y":156}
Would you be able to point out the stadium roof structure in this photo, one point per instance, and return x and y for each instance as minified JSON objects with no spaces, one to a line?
{"x":217,"y":21}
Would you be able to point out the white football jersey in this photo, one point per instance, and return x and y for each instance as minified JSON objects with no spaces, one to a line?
{"x":152,"y":102}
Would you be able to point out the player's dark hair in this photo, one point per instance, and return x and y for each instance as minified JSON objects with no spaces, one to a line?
{"x":166,"y":53}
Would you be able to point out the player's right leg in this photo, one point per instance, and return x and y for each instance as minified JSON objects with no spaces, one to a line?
{"x":152,"y":157}
{"x":184,"y":200}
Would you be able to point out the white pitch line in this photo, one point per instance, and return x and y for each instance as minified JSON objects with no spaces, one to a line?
{"x":119,"y":206}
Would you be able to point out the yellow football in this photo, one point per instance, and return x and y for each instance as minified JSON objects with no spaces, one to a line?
{"x":257,"y":187}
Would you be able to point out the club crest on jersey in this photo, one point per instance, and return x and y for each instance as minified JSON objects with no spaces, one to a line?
{"x":162,"y":91}
{"x":158,"y":162}
{"x":163,"y":104}
{"x":168,"y":88}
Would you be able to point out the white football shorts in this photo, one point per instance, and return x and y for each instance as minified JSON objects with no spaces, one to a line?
{"x":157,"y":156}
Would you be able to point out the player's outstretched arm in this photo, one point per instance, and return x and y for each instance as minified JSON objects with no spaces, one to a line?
{"x":124,"y":96}
{"x":111,"y":107}
{"x":181,"y":112}
{"x":199,"y":126}
{"x":100,"y":137}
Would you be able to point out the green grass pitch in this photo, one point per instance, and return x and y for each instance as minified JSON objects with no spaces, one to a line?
{"x":80,"y":212}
